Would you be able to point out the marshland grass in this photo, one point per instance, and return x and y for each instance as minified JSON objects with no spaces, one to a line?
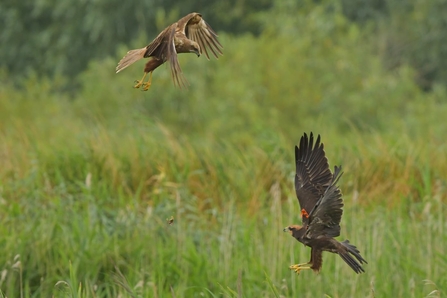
{"x":95,"y":200}
{"x":88,"y":182}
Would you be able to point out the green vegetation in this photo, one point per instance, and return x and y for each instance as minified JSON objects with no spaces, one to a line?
{"x":88,"y":180}
{"x":61,"y":37}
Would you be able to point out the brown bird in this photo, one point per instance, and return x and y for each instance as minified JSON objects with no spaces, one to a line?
{"x":190,"y":34}
{"x":321,"y":208}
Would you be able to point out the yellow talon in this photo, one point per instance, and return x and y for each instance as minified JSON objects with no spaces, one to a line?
{"x":148,"y":84}
{"x":298,"y":267}
{"x":140,"y":82}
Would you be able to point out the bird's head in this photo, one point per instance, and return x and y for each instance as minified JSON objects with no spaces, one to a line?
{"x":293,"y":228}
{"x":195,"y":48}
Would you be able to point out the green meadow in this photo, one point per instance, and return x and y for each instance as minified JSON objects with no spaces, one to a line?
{"x":89,"y":178}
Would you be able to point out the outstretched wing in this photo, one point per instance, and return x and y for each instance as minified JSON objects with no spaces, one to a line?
{"x":325,"y":217}
{"x":158,"y":48}
{"x":163,"y":48}
{"x":196,"y":29}
{"x":176,"y":71}
{"x":313,"y":175}
{"x":160,"y":45}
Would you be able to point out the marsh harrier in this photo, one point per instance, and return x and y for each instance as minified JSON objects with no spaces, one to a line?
{"x":321,"y":208}
{"x":190,"y":34}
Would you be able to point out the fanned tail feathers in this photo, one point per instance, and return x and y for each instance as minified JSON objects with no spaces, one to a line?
{"x":131,"y":57}
{"x":349,"y":259}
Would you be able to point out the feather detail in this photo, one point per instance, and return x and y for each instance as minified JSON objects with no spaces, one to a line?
{"x":131,"y":57}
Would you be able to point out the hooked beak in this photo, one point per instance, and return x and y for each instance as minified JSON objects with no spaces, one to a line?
{"x":197,"y":53}
{"x":286,"y":229}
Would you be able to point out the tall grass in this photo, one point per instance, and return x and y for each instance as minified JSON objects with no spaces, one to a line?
{"x":97,"y":200}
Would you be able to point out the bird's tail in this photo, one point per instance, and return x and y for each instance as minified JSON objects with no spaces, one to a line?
{"x":131,"y":57}
{"x":346,"y":256}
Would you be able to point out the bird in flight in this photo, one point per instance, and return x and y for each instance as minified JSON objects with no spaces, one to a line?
{"x":321,"y":206}
{"x":190,"y":34}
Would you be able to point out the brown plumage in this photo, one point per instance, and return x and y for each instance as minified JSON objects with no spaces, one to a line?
{"x":321,"y":208}
{"x":190,"y":34}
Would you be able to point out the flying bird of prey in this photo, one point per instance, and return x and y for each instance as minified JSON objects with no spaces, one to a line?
{"x":321,"y":208}
{"x":190,"y":34}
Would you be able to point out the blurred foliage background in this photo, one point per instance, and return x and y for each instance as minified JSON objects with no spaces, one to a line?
{"x":60,"y":38}
{"x":90,"y":167}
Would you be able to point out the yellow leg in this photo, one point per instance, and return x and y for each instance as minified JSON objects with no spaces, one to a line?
{"x":140,"y":82}
{"x":148,"y":84}
{"x":297,"y":268}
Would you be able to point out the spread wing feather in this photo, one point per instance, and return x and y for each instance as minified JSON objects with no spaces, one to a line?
{"x":197,"y":29}
{"x":163,"y":48}
{"x":325,"y":217}
{"x":159,"y":46}
{"x":313,"y":175}
{"x":176,"y":71}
